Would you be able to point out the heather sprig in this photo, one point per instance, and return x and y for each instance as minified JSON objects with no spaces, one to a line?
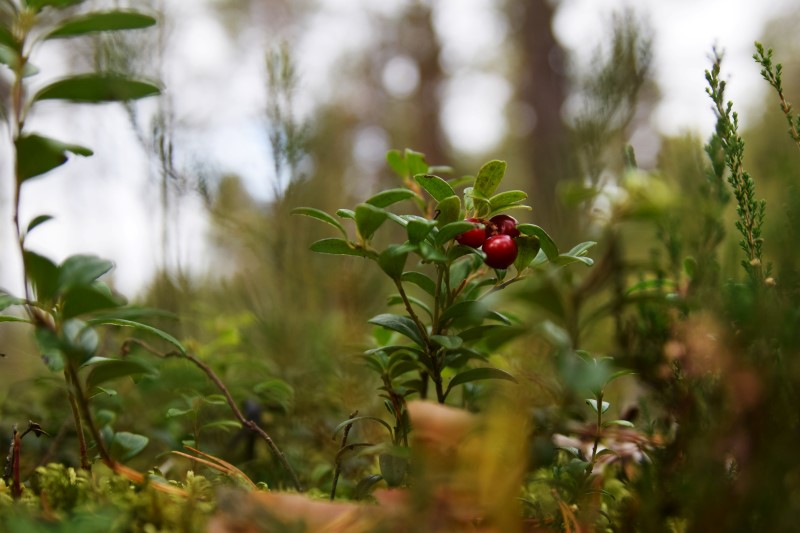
{"x":750,"y":211}
{"x":772,"y":74}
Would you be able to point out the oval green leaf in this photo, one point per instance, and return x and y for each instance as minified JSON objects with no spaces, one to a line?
{"x":341,"y":247}
{"x":115,"y":369}
{"x":478,"y":374}
{"x":401,"y":324}
{"x":391,"y":196}
{"x":101,"y":21}
{"x":37,"y":154}
{"x":438,"y":188}
{"x":320,"y":215}
{"x":97,"y":88}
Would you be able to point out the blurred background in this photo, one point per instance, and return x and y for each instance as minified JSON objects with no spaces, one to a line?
{"x":270,"y":105}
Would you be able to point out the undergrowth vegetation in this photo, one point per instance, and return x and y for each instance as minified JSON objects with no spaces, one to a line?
{"x":641,"y":378}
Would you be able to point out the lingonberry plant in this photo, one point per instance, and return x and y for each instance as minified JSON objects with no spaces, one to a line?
{"x":462,"y":248}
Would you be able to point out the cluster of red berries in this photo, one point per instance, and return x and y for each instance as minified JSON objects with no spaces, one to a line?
{"x":496,"y":239}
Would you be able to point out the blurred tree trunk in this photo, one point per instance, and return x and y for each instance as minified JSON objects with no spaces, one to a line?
{"x":542,"y":88}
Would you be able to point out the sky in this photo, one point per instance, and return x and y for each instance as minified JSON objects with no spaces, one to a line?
{"x":107,"y":204}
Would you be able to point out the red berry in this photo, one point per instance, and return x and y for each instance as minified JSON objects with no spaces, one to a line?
{"x":500,"y":250}
{"x":473,"y":238}
{"x":502,"y":225}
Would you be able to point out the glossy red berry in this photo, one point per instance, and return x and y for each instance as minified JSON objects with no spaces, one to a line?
{"x":500,"y":250}
{"x":473,"y":238}
{"x":502,"y":225}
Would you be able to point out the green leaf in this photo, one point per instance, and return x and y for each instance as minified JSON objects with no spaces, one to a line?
{"x":7,"y":39}
{"x":119,"y":322}
{"x":489,"y":177}
{"x":346,"y":213}
{"x":37,"y":155}
{"x":320,"y":215}
{"x":275,"y":392}
{"x":448,"y":210}
{"x":576,"y":255}
{"x":546,"y":242}
{"x":225,"y":425}
{"x":125,"y":446}
{"x":593,"y":404}
{"x":115,"y":369}
{"x":7,"y":300}
{"x":341,"y":247}
{"x":453,"y":230}
{"x":397,"y":163}
{"x":9,"y":318}
{"x":81,"y":270}
{"x":478,"y":374}
{"x":37,"y":5}
{"x":621,"y":423}
{"x":43,"y":275}
{"x":37,"y":221}
{"x":391,"y":196}
{"x":101,"y":21}
{"x":527,"y":250}
{"x":435,"y":186}
{"x":97,"y":88}
{"x":416,"y":162}
{"x":420,"y":280}
{"x":471,"y":311}
{"x":50,"y":348}
{"x":476,"y":203}
{"x":87,"y":299}
{"x":393,"y":261}
{"x":368,"y":219}
{"x":451,"y":342}
{"x":401,"y":324}
{"x":502,"y":201}
{"x":419,"y":228}
{"x":173,"y":412}
{"x":396,"y":299}
{"x":365,"y":486}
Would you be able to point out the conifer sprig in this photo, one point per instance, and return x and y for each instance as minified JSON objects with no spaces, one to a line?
{"x":750,"y":211}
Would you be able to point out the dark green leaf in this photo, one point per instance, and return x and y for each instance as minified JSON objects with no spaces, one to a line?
{"x":478,"y":374}
{"x":435,"y":186}
{"x":119,"y":322}
{"x":368,"y":219}
{"x":420,"y":280}
{"x":548,"y":246}
{"x":43,"y":275}
{"x":396,"y":299}
{"x":393,"y":260}
{"x":489,"y":177}
{"x":320,"y":215}
{"x":451,"y":342}
{"x":97,"y":88}
{"x":391,"y":196}
{"x":448,"y":210}
{"x":37,"y":155}
{"x":346,"y":213}
{"x":7,"y":300}
{"x":401,"y":324}
{"x":58,"y":4}
{"x":471,"y":311}
{"x":7,"y":39}
{"x":125,"y":446}
{"x":365,"y":486}
{"x":114,"y":369}
{"x":527,"y":250}
{"x":341,"y":247}
{"x":453,"y":230}
{"x":87,"y":299}
{"x":37,"y":221}
{"x":101,"y":21}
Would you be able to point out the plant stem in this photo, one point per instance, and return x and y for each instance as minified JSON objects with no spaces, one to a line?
{"x":83,"y":404}
{"x":423,"y":331}
{"x":341,"y":447}
{"x":85,"y":464}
